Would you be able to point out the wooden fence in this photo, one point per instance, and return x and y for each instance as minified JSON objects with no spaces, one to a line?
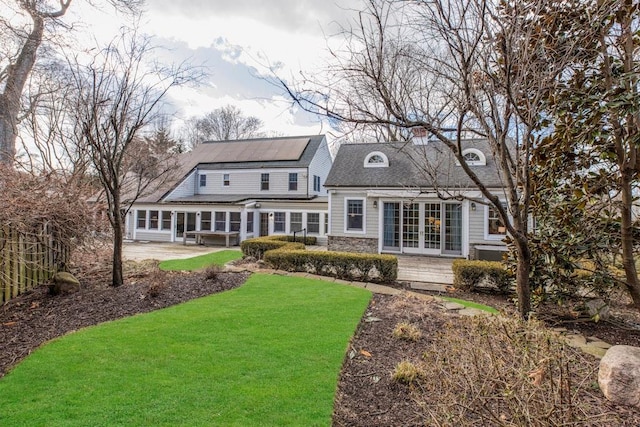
{"x":28,"y":259}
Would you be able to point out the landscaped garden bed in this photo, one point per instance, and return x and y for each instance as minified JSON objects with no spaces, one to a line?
{"x":367,"y":393}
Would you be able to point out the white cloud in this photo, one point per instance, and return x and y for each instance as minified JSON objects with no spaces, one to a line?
{"x":237,"y":41}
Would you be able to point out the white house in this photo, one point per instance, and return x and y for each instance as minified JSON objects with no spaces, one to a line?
{"x":242,"y":189}
{"x":388,"y":198}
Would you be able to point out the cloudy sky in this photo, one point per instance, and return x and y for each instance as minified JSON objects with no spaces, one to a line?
{"x":237,"y":41}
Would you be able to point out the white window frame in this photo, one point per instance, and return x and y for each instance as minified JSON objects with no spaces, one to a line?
{"x":209,"y":221}
{"x":364,"y":215}
{"x":238,"y":223}
{"x":264,"y":183}
{"x":488,"y":236}
{"x":163,"y":219}
{"x":383,"y":164}
{"x":319,"y":224}
{"x":146,"y":219}
{"x":480,"y":154}
{"x":157,"y":227}
{"x":284,"y":222}
{"x":293,"y":183}
{"x":202,"y":180}
{"x":215,"y":221}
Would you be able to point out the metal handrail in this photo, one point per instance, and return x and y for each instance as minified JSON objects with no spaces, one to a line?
{"x":304,"y":236}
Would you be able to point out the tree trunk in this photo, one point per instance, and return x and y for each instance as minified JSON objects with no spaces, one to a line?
{"x":17,"y":75}
{"x":523,"y":270}
{"x":626,"y":235}
{"x":117,"y":277}
{"x":7,"y":133}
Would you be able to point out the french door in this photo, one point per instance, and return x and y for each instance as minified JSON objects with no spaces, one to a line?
{"x":185,"y":221}
{"x":429,"y":228}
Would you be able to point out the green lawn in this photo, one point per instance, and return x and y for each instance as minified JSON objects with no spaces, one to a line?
{"x":202,"y":261}
{"x":471,"y":304}
{"x":265,"y":354}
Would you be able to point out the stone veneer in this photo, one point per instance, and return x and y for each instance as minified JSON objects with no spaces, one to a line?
{"x":352,"y":244}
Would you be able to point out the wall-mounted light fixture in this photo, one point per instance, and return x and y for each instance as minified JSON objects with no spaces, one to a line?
{"x":257,"y":205}
{"x":375,"y":203}
{"x":473,"y":206}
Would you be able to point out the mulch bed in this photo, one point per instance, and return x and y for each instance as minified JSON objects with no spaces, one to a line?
{"x":36,"y":317}
{"x":367,"y":396}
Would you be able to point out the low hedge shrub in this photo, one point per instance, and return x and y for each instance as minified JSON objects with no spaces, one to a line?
{"x":473,"y":274}
{"x":342,"y":265}
{"x":307,"y":240}
{"x":257,"y":247}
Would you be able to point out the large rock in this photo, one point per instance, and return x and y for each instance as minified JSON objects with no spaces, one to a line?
{"x":64,"y":283}
{"x":619,"y":375}
{"x":597,"y":309}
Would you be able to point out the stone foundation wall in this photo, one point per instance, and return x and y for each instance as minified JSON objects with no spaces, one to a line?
{"x":352,"y":244}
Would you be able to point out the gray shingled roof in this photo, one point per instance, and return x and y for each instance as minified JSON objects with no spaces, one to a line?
{"x":205,"y":156}
{"x":410,"y":166}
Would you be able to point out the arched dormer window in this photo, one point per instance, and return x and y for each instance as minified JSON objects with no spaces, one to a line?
{"x":376,"y":159}
{"x":474,"y":157}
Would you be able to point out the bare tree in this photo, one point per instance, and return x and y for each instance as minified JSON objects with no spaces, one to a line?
{"x":475,"y":66}
{"x":21,"y":39}
{"x":50,"y":142}
{"x":118,"y":95}
{"x":222,"y":124}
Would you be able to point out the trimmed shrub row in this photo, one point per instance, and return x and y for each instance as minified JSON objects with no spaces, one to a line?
{"x":473,"y":274}
{"x":342,"y":265}
{"x":284,"y":254}
{"x":257,"y":247}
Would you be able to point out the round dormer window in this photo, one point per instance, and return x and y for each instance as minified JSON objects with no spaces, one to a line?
{"x":474,"y":157}
{"x":376,"y":160}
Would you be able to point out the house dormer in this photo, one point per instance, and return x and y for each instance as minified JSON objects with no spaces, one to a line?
{"x":376,"y":159}
{"x":473,"y":157}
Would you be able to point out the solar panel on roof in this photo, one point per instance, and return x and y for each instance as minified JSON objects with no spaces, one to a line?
{"x":259,"y":150}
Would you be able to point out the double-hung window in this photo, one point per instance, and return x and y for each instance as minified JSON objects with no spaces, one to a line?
{"x":153,"y":220}
{"x":234,"y":221}
{"x":249,"y":222}
{"x":225,"y":180}
{"x":316,"y":183}
{"x":203,"y":180}
{"x":313,"y":223}
{"x":142,"y":219}
{"x":355,"y":215}
{"x":166,"y":220}
{"x":495,"y":225}
{"x":293,"y":182}
{"x":295,"y":221}
{"x":279,"y":222}
{"x":264,"y":181}
{"x":205,"y":221}
{"x":221,"y":221}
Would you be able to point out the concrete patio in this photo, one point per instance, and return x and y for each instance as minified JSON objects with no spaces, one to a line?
{"x":424,"y":273}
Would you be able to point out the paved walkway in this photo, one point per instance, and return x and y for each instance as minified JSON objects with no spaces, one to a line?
{"x":138,"y":251}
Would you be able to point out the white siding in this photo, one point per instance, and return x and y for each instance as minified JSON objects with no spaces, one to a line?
{"x":320,"y":166}
{"x":152,"y":236}
{"x":249,"y":182}
{"x":476,"y":224}
{"x":338,"y":214}
{"x":185,"y":188}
